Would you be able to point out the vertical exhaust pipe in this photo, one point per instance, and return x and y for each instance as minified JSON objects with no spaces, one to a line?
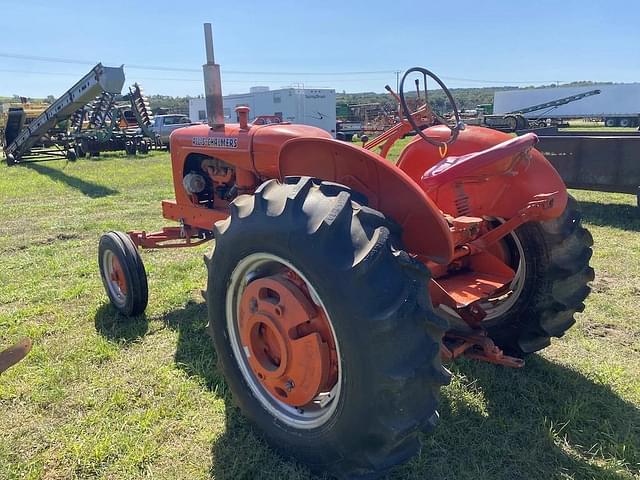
{"x":212,"y":83}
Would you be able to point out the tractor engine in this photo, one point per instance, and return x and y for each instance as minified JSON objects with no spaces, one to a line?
{"x":209,"y":180}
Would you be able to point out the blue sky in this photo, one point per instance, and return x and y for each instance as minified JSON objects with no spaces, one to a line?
{"x":318,"y":44}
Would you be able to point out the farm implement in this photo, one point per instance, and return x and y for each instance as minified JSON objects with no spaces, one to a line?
{"x":85,"y":120}
{"x":44,"y":137}
{"x":107,"y":127}
{"x":338,"y":283}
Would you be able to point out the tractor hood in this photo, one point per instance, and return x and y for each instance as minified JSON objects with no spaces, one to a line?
{"x":267,"y":140}
{"x":255,"y":148}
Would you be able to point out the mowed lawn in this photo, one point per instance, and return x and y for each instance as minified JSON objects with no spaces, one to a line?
{"x":103,"y":397}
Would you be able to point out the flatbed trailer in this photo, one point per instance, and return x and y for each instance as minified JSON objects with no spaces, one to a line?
{"x":595,"y":160}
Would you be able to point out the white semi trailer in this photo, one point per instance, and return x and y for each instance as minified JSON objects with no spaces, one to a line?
{"x":618,"y":104}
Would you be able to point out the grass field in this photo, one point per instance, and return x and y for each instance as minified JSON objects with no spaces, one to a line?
{"x":102,"y":398}
{"x":586,"y":125}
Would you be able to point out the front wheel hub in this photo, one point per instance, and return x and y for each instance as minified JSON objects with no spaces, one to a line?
{"x":117,"y":275}
{"x":286,"y":339}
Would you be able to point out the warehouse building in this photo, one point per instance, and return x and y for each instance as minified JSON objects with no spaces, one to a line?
{"x":308,"y":106}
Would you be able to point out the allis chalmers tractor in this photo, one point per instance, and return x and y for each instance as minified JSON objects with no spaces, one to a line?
{"x":338,"y":282}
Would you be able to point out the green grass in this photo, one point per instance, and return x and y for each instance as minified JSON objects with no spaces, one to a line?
{"x":584,"y":125}
{"x":102,"y":398}
{"x":599,"y":128}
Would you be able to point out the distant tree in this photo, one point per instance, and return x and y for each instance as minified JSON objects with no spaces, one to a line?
{"x":466,"y":98}
{"x":170,"y":104}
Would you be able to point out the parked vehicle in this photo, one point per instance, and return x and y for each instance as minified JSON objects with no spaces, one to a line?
{"x":345,"y":130}
{"x":163,"y":125}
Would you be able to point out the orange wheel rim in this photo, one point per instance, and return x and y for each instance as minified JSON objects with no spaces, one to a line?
{"x":117,"y":274}
{"x":287,"y":339}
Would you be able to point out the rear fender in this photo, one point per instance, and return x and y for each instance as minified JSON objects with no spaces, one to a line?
{"x":387,"y":188}
{"x":497,"y":191}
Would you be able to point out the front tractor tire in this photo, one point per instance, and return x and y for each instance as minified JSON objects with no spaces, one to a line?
{"x":323,"y":328}
{"x":123,"y":274}
{"x":551,"y":260}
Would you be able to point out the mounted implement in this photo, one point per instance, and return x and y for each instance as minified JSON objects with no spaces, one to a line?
{"x":339,"y":282}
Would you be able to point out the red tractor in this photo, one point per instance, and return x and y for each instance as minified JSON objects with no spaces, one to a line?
{"x":339,"y":282}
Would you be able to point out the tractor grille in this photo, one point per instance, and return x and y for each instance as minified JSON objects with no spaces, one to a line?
{"x":462,"y":201}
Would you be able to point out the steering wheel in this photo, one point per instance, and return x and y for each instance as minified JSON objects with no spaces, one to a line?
{"x":459,"y":124}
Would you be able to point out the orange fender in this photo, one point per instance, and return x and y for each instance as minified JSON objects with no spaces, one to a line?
{"x":388,"y":189}
{"x":498,"y":191}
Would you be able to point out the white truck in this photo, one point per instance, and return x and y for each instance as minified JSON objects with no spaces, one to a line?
{"x":617,"y":104}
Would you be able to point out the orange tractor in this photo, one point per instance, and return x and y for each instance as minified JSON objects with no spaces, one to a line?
{"x":339,"y":282}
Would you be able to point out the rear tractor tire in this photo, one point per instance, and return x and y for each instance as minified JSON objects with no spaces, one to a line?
{"x":123,"y":273}
{"x":551,"y":260}
{"x":323,"y":327}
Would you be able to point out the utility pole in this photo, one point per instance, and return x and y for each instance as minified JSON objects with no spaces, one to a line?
{"x":397,"y":72}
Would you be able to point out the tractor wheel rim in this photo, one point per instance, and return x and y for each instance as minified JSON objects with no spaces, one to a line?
{"x":114,"y":278}
{"x":295,"y":377}
{"x":497,"y":307}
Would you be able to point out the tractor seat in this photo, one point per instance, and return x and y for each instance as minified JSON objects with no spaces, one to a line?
{"x":450,"y":168}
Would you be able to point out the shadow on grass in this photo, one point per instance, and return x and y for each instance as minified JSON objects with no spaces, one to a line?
{"x":194,"y":351}
{"x":239,"y":453}
{"x":544,"y":421}
{"x":624,"y":217}
{"x":115,"y":327}
{"x":90,"y":189}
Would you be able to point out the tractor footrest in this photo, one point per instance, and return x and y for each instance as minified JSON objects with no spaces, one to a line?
{"x":467,"y":288}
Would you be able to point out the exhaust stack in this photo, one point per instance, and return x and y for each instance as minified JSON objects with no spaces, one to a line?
{"x":212,"y":83}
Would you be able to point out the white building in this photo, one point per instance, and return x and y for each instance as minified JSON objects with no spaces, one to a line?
{"x":308,"y":106}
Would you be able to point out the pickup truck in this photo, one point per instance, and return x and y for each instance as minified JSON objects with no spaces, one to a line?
{"x":163,"y":125}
